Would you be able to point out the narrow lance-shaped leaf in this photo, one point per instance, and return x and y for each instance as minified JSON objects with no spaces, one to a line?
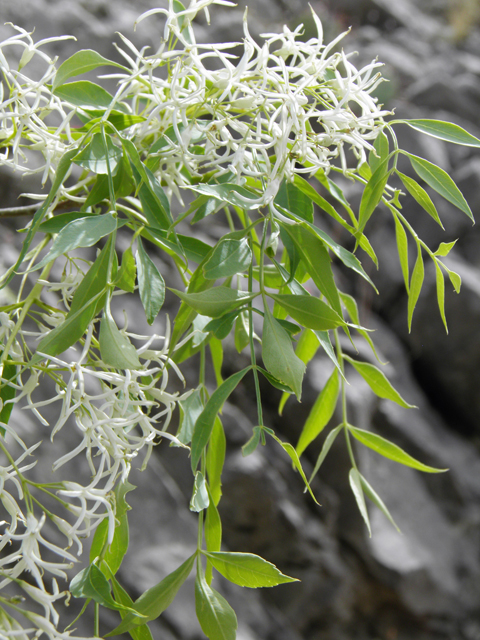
{"x":402,"y":248}
{"x":356,"y":486}
{"x":153,"y":602}
{"x":127,"y":273}
{"x":81,"y":62}
{"x":97,"y":158}
{"x":377,"y":501}
{"x":228,"y":258}
{"x":321,"y":412}
{"x":380,"y":151}
{"x":378,"y":382}
{"x":444,"y":131}
{"x":416,"y":283}
{"x":307,"y":347}
{"x":91,"y":583}
{"x":204,"y":425}
{"x":138,"y":633}
{"x":215,"y":615}
{"x":116,"y":350}
{"x":441,"y":182}
{"x":440,"y":282}
{"x":390,"y":450}
{"x":421,"y":196}
{"x":309,"y":311}
{"x":150,"y":283}
{"x":216,"y":459}
{"x":327,"y":445}
{"x":372,"y":194}
{"x":290,"y":450}
{"x":278,"y":355}
{"x":84,"y":93}
{"x":213,"y":533}
{"x":247,"y":569}
{"x":215,"y":302}
{"x":352,"y":309}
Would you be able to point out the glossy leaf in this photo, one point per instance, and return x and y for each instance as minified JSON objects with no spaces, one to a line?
{"x":247,"y":569}
{"x":356,"y":486}
{"x":84,"y":232}
{"x":390,"y":450}
{"x":151,"y":285}
{"x":215,"y":302}
{"x":444,"y":131}
{"x":200,"y":500}
{"x":83,"y":93}
{"x":56,"y":224}
{"x":216,"y":617}
{"x":416,"y":283}
{"x":153,"y":602}
{"x":293,"y":199}
{"x":321,"y":413}
{"x":309,"y":311}
{"x":116,"y":350}
{"x":420,"y":195}
{"x":441,"y":182}
{"x":327,"y":445}
{"x":205,"y":422}
{"x":378,"y":382}
{"x":81,"y":62}
{"x":228,"y":258}
{"x":278,"y":355}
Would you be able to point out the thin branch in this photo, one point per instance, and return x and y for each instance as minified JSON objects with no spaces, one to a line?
{"x":9,"y":212}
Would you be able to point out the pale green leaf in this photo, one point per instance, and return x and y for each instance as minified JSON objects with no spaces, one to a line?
{"x":127,"y":273}
{"x":440,"y":282}
{"x":228,"y":258}
{"x":216,"y":617}
{"x":215,"y":302}
{"x":372,"y":194}
{"x":199,"y":500}
{"x":420,"y":195}
{"x":379,"y":154}
{"x":290,"y":450}
{"x":190,"y":410}
{"x":150,"y":284}
{"x":377,"y":501}
{"x":247,"y":569}
{"x":402,"y":248}
{"x":356,"y":486}
{"x":444,"y":131}
{"x":309,"y":311}
{"x":444,"y":248}
{"x":329,"y":440}
{"x":81,"y":62}
{"x":416,"y":283}
{"x":84,"y":93}
{"x":116,"y":350}
{"x":215,"y":459}
{"x":98,"y":159}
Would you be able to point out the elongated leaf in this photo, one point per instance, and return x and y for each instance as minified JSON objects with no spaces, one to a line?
{"x":278,"y":355}
{"x":126,"y":275}
{"x":56,"y":224}
{"x":190,"y":409}
{"x":247,"y":569}
{"x":215,"y":615}
{"x":216,"y":459}
{"x":84,"y":232}
{"x":138,"y":633}
{"x":213,"y":533}
{"x":222,"y":326}
{"x":290,"y":450}
{"x":441,"y":182}
{"x":329,"y":440}
{"x":7,"y":393}
{"x":416,"y":283}
{"x":420,"y":195}
{"x":309,"y":311}
{"x":91,"y":583}
{"x":402,"y":247}
{"x":352,"y":309}
{"x":200,"y":500}
{"x":84,"y":93}
{"x":81,"y":62}
{"x":372,"y":194}
{"x":295,"y":200}
{"x":444,"y":131}
{"x":116,"y":349}
{"x":251,"y":444}
{"x":96,"y":158}
{"x":321,"y":413}
{"x":372,"y":495}
{"x":378,"y":382}
{"x":390,"y":450}
{"x":380,"y":153}
{"x":153,"y":602}
{"x":440,"y":282}
{"x":356,"y":486}
{"x":307,"y":347}
{"x":150,"y":284}
{"x":228,"y":258}
{"x":205,"y":422}
{"x":231,"y":193}
{"x":215,"y":302}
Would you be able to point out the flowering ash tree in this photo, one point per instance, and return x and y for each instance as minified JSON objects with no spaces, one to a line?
{"x":258,"y":138}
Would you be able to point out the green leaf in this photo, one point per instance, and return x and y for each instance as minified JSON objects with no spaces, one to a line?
{"x":444,"y":131}
{"x":154,"y":201}
{"x":216,"y":617}
{"x":216,"y":459}
{"x":96,"y":158}
{"x":372,"y":194}
{"x":378,"y":382}
{"x":352,"y":309}
{"x":56,"y":224}
{"x":445,"y":248}
{"x":321,"y":413}
{"x":455,"y":279}
{"x":116,"y":350}
{"x":222,"y":326}
{"x":195,"y":249}
{"x":290,"y":450}
{"x":81,"y":62}
{"x":84,"y":232}
{"x":247,"y":569}
{"x":440,"y":282}
{"x":84,"y":93}
{"x":205,"y":422}
{"x":213,"y":533}
{"x":421,"y":196}
{"x":377,"y":501}
{"x":138,"y":633}
{"x":295,"y":200}
{"x":389,"y":450}
{"x":216,"y":351}
{"x":381,"y":150}
{"x":228,"y":258}
{"x":307,"y":347}
{"x":317,"y":261}
{"x":7,"y":392}
{"x":229,"y":193}
{"x":441,"y":182}
{"x":309,"y":311}
{"x":199,"y":500}
{"x":329,"y":440}
{"x":126,"y":275}
{"x":402,"y":247}
{"x":242,"y":332}
{"x":215,"y":302}
{"x":150,"y":284}
{"x":356,"y":486}
{"x":123,"y":185}
{"x":190,"y":410}
{"x":278,"y":355}
{"x":91,"y":583}
{"x":416,"y":283}
{"x":250,"y":446}
{"x":153,"y":602}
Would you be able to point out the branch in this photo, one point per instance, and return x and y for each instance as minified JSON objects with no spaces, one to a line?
{"x":31,"y":208}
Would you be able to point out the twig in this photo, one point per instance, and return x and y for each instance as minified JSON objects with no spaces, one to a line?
{"x":31,"y":208}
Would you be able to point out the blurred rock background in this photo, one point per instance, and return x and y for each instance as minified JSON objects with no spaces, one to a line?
{"x":423,"y":584}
